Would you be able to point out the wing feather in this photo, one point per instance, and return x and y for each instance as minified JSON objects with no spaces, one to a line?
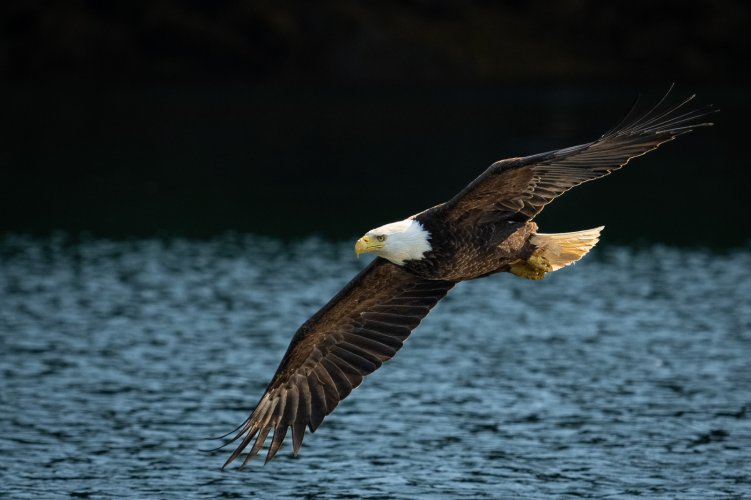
{"x":341,"y":381}
{"x":379,"y":350}
{"x":329,"y":386}
{"x":389,"y":340}
{"x":351,"y":373}
{"x":317,"y":402}
{"x":302,"y":419}
{"x":257,"y":445}
{"x":519,"y":188}
{"x":362,"y":354}
{"x":280,"y":431}
{"x":349,"y":338}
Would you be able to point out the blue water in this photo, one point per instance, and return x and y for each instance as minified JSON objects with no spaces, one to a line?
{"x":626,"y":375}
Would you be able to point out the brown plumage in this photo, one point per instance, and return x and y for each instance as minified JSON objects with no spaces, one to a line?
{"x":486,"y":228}
{"x":331,"y":352}
{"x":519,"y":188}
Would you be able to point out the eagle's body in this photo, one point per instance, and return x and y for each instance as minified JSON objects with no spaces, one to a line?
{"x":487,"y":228}
{"x":462,"y":252}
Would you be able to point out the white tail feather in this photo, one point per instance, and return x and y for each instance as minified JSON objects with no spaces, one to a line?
{"x":563,"y":249}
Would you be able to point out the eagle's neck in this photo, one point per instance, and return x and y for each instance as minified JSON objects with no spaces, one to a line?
{"x":407,"y":240}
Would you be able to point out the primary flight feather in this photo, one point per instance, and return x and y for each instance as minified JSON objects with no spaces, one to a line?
{"x":487,"y":228}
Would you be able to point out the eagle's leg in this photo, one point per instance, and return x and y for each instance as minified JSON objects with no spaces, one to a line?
{"x":534,"y":268}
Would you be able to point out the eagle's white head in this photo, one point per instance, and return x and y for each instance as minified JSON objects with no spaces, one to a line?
{"x":397,"y":242}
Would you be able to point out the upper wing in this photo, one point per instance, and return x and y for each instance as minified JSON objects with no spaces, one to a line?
{"x":519,"y":188}
{"x":360,"y":328}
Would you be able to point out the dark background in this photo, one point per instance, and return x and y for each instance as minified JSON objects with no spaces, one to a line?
{"x":195,"y":118}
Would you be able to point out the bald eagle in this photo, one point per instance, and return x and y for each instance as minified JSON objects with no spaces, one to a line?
{"x":485,"y":229}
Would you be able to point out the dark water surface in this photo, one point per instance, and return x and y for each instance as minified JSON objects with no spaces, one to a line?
{"x":627,"y":375}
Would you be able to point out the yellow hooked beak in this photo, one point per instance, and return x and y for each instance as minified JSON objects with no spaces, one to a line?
{"x":367,"y":244}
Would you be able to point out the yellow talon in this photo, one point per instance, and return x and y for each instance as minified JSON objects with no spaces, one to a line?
{"x":540,"y":262}
{"x":533,"y":268}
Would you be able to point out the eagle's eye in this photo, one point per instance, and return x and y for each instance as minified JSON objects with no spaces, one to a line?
{"x":381,"y":237}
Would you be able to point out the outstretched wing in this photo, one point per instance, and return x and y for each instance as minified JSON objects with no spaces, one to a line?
{"x":364,"y":325}
{"x":519,"y":188}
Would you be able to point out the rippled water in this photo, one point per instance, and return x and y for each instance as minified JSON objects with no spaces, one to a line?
{"x":629,"y":374}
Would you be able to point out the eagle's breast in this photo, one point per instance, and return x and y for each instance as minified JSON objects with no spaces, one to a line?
{"x":461,"y":251}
